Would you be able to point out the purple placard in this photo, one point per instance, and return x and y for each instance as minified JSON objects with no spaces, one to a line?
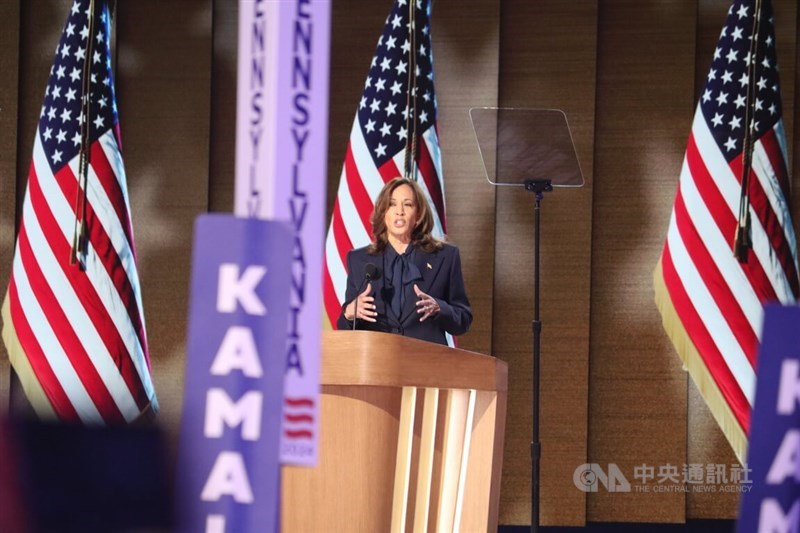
{"x":281,"y":169}
{"x":228,"y":470}
{"x":773,"y":501}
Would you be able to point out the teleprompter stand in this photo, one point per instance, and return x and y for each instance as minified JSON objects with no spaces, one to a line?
{"x":532,"y":149}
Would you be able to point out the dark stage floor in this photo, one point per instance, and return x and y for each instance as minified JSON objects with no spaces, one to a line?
{"x":692,"y":526}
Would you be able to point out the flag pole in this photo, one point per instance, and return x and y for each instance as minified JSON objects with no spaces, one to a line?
{"x":411,"y":98}
{"x":79,"y":246}
{"x":743,"y":240}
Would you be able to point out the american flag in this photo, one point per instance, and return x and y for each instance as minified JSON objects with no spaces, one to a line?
{"x":72,"y":317}
{"x":396,"y":118}
{"x":711,"y":302}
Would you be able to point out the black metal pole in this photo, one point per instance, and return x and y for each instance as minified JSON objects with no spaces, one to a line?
{"x":536,"y":447}
{"x":539,"y":187}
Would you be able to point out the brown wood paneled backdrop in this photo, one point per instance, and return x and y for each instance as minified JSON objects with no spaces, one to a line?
{"x":537,"y":71}
{"x":164,"y":92}
{"x":9,"y":99}
{"x":636,"y":383}
{"x":626,"y":72}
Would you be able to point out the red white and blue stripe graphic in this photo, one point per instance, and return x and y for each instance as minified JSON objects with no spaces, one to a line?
{"x":298,"y":417}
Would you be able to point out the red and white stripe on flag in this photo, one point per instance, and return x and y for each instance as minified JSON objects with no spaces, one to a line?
{"x":711,"y":303}
{"x":378,"y":143}
{"x":75,"y":332}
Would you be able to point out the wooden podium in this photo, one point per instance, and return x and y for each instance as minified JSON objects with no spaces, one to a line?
{"x":411,"y":439}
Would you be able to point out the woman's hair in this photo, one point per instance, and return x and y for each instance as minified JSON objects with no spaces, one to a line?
{"x":421,"y":233}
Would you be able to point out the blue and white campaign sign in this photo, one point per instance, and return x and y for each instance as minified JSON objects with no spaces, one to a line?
{"x":281,"y":174}
{"x":773,"y":504}
{"x":228,"y":476}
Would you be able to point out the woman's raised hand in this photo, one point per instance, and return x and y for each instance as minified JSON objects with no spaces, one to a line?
{"x":364,"y":305}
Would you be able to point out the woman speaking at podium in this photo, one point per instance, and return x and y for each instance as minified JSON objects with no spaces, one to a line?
{"x":406,"y":281}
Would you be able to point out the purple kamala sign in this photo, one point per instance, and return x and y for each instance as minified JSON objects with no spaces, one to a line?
{"x":228,"y":470}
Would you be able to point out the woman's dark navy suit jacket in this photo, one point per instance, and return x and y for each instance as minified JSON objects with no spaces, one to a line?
{"x":441,"y":279}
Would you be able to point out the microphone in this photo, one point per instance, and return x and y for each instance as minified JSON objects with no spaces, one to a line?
{"x":370,"y":272}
